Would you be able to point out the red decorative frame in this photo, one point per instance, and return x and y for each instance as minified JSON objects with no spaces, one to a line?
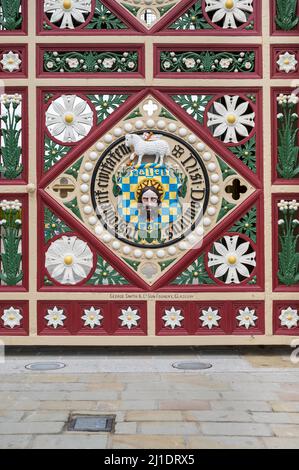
{"x":274,"y":111}
{"x":281,"y":49}
{"x":24,"y":30}
{"x":191,"y":325}
{"x":24,"y":175}
{"x":278,"y":305}
{"x":22,"y":50}
{"x":73,"y":324}
{"x":274,"y":31}
{"x":139,"y":48}
{"x":277,"y":287}
{"x":245,"y":238}
{"x":25,"y":234}
{"x":44,"y":270}
{"x":161,"y":94}
{"x":23,"y":329}
{"x":158,"y":48}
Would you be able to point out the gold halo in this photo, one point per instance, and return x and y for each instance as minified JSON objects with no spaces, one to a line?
{"x":147,"y":182}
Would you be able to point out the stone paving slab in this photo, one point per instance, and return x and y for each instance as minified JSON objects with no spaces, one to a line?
{"x":248,"y":399}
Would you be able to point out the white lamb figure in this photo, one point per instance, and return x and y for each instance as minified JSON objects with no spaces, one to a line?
{"x":159,"y":148}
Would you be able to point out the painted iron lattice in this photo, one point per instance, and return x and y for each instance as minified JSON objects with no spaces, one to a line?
{"x":149,"y":177}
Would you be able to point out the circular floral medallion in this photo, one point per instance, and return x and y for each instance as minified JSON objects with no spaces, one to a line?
{"x":231,"y":119}
{"x":69,"y":260}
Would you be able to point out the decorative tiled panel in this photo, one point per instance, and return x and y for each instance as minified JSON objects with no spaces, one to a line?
{"x":92,"y":318}
{"x":202,"y":61}
{"x":210,"y":318}
{"x":14,"y":318}
{"x":14,"y":242}
{"x":93,"y":60}
{"x":286,"y":317}
{"x":147,"y":178}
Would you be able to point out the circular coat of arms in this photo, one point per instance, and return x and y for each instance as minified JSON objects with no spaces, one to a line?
{"x":150,"y":189}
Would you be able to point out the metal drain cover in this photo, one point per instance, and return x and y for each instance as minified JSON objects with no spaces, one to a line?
{"x":192,"y":365}
{"x":91,"y":423}
{"x":45,"y":366}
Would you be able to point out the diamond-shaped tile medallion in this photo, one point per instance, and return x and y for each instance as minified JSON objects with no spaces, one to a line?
{"x":150,"y":189}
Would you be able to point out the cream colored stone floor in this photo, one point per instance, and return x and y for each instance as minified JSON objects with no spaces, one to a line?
{"x":248,"y":399}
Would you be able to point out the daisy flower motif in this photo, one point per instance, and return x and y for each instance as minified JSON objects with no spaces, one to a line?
{"x":210,"y":318}
{"x":231,"y":121}
{"x":246,"y":317}
{"x":129,"y":317}
{"x":69,"y":260}
{"x":67,"y":11}
{"x":11,"y":61}
{"x":231,"y":12}
{"x":287,"y":62}
{"x":92,"y":317}
{"x":173,"y":318}
{"x":55,"y":317}
{"x":11,"y":317}
{"x":233,"y":259}
{"x":289,"y":317}
{"x":67,"y":120}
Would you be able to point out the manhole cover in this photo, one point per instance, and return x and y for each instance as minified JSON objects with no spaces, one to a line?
{"x":45,"y":366}
{"x":91,"y":423}
{"x":192,"y":365}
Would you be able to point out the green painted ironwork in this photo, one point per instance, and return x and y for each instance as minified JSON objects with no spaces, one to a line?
{"x":53,"y":225}
{"x":207,"y":61}
{"x":106,"y":104}
{"x":288,"y":256}
{"x":105,"y":274}
{"x":90,"y":61}
{"x":10,"y":15}
{"x":74,"y":169}
{"x":286,"y":14}
{"x":11,"y":272}
{"x":247,"y":224}
{"x":247,"y":153}
{"x":192,"y":19}
{"x":11,"y":130}
{"x":194,"y":105}
{"x":195,"y":274}
{"x":288,"y":149}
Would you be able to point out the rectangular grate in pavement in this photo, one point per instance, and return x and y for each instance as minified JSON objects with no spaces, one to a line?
{"x":92,"y":423}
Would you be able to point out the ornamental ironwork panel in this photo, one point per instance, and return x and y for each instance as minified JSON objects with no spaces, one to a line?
{"x":149,"y":179}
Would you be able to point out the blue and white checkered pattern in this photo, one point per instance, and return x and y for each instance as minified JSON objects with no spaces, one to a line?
{"x":170,"y":208}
